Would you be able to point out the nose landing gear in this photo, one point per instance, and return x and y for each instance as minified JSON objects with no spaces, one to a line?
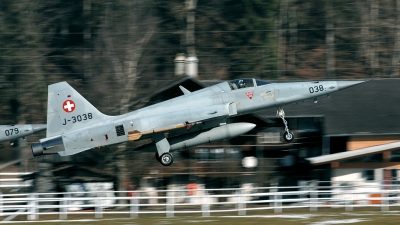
{"x":288,"y":136}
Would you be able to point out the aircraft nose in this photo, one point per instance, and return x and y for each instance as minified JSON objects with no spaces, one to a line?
{"x":38,"y":127}
{"x":347,"y":83}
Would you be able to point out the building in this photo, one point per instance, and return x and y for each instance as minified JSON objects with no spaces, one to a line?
{"x":355,"y":118}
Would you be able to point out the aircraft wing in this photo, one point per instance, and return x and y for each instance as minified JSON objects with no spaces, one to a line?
{"x":136,"y":135}
{"x":197,"y":116}
{"x":318,"y":160}
{"x":13,"y":132}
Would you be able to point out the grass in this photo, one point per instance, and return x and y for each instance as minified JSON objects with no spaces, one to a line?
{"x":324,"y":216}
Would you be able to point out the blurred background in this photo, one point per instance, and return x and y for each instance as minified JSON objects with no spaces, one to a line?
{"x":122,"y":55}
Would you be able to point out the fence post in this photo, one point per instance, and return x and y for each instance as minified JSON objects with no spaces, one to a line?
{"x":240,"y":202}
{"x":134,"y":201}
{"x":98,"y":207}
{"x":302,"y":191}
{"x":32,"y":207}
{"x":272,"y":199}
{"x":205,"y":207}
{"x":277,"y":203}
{"x":1,"y":204}
{"x":384,"y":201}
{"x":314,"y":197}
{"x":63,"y":208}
{"x":349,"y":202}
{"x":170,"y":203}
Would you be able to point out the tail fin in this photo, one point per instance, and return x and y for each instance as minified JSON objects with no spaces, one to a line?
{"x":67,"y":110}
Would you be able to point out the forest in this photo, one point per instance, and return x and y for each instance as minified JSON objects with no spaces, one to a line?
{"x":123,"y":49}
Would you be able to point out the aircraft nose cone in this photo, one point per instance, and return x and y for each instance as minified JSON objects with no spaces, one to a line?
{"x":347,"y":83}
{"x":38,"y":127}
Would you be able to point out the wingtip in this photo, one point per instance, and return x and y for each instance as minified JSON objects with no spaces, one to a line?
{"x":39,"y":127}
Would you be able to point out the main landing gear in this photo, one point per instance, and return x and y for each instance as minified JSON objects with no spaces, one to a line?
{"x":163,"y":147}
{"x":288,"y":136}
{"x":166,"y":158}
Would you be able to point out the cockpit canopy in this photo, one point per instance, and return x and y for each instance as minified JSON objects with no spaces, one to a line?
{"x":246,"y":83}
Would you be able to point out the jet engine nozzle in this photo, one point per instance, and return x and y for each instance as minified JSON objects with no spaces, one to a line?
{"x":42,"y":148}
{"x":37,"y":149}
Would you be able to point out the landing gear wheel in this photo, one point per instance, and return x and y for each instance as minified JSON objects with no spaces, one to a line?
{"x":166,"y":159}
{"x":288,"y":136}
{"x":157,"y":157}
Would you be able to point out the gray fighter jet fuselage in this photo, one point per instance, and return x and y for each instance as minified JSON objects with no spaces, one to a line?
{"x":191,"y":119}
{"x":13,"y":132}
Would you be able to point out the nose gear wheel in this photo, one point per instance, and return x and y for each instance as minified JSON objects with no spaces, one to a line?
{"x":288,"y":136}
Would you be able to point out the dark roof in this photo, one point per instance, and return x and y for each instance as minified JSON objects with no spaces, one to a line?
{"x":371,"y":107}
{"x":168,"y":92}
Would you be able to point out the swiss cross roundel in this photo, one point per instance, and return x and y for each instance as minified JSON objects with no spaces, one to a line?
{"x":68,"y":106}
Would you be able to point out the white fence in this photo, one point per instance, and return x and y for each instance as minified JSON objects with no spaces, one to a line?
{"x":203,"y":201}
{"x":12,"y":180}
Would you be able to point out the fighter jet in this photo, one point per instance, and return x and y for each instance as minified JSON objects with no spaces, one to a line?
{"x":13,"y":132}
{"x":75,"y":125}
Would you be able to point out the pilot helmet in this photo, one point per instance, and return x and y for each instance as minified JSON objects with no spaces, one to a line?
{"x":241,"y":83}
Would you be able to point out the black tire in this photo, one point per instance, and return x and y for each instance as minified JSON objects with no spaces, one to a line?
{"x":288,"y":136}
{"x":166,"y":159}
{"x":157,"y":157}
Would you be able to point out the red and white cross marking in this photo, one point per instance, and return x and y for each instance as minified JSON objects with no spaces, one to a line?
{"x":69,"y":106}
{"x":250,"y":94}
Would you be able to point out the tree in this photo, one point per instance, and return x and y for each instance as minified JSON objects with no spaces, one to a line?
{"x":20,"y":60}
{"x":232,"y":36}
{"x":330,"y":41}
{"x":124,"y":45}
{"x":396,"y":50}
{"x":369,"y":18}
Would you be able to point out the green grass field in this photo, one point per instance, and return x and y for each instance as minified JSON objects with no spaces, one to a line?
{"x":322,"y":217}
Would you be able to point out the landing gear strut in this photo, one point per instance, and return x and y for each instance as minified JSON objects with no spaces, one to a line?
{"x":288,"y":136}
{"x":163,"y":147}
{"x":165,"y":159}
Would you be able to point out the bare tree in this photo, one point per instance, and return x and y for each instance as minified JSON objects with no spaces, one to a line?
{"x":293,"y":38}
{"x":87,"y":5}
{"x":373,"y":54}
{"x":369,"y":18}
{"x":282,"y":36}
{"x":124,"y":46}
{"x":125,"y":61}
{"x":330,"y":41}
{"x":396,"y":50}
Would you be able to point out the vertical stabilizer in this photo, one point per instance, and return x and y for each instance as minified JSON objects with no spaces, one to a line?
{"x":67,"y":110}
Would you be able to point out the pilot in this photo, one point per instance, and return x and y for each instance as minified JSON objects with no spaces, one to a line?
{"x":241,"y":84}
